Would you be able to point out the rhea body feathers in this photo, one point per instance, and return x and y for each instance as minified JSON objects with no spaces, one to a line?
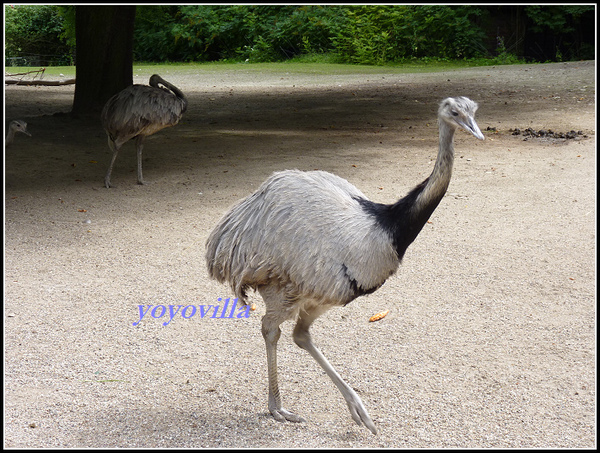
{"x":138,"y":111}
{"x":307,"y":241}
{"x":317,"y":233}
{"x":265,"y":241}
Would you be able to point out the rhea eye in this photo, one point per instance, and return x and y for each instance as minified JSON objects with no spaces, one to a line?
{"x":454,"y":113}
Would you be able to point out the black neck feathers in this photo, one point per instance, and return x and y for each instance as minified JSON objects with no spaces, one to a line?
{"x":402,"y":220}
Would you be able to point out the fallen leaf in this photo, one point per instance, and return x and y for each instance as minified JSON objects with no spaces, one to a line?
{"x":378,"y":316}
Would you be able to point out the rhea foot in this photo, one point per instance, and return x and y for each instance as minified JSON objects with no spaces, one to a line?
{"x":360,"y":415}
{"x":282,"y":415}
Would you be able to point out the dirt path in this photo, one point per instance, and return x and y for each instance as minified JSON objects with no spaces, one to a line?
{"x":490,"y":340}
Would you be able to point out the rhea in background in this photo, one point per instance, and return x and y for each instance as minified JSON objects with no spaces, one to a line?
{"x":309,"y":241}
{"x":139,"y":111}
{"x":14,"y":127}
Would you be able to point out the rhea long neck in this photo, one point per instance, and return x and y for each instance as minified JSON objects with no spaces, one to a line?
{"x":181,"y":97}
{"x":436,"y":184}
{"x":10,"y":136}
{"x":407,"y":216}
{"x":176,"y":91}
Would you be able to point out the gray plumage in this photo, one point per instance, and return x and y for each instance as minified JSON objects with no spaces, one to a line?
{"x":139,"y":111}
{"x":300,"y":241}
{"x":14,"y":127}
{"x":308,"y":241}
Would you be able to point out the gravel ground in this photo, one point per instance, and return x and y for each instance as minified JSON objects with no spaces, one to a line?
{"x":490,"y":340}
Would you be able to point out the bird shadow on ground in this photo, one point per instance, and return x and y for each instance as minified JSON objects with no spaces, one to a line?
{"x":176,"y":427}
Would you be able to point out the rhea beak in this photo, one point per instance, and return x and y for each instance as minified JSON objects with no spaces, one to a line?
{"x":472,"y":127}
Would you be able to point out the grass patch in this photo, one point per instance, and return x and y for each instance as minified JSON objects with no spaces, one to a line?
{"x":51,"y":72}
{"x":319,"y":64}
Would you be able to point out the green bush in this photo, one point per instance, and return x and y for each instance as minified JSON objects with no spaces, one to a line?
{"x":33,"y":34}
{"x":373,"y":34}
{"x":362,"y":34}
{"x":239,"y":32}
{"x":153,"y":38}
{"x":297,"y":30}
{"x":380,"y":34}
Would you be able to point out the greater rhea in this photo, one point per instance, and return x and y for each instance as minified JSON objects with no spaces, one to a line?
{"x":309,"y":241}
{"x":139,"y":111}
{"x":14,"y":127}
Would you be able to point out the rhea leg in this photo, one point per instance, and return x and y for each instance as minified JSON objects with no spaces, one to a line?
{"x":115,"y":150}
{"x":303,"y":339}
{"x":139,"y":144}
{"x":275,"y":315}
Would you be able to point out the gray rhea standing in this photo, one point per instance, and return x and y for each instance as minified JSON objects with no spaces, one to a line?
{"x":14,"y":127}
{"x":308,"y":241}
{"x":139,"y":111}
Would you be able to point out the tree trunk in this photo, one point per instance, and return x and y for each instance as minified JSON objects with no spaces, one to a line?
{"x":104,"y":54}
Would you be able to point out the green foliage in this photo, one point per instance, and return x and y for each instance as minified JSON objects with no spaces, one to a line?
{"x":563,"y":24}
{"x":369,"y":35}
{"x":377,"y":34}
{"x":153,"y":38}
{"x":304,"y":29}
{"x":34,"y":30}
{"x":238,"y":32}
{"x":373,"y":34}
{"x":67,"y":13}
{"x":363,"y":34}
{"x":358,"y":34}
{"x":556,"y":18}
{"x":503,"y":55}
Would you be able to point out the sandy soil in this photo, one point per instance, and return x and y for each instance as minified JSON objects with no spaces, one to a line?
{"x":490,"y":340}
